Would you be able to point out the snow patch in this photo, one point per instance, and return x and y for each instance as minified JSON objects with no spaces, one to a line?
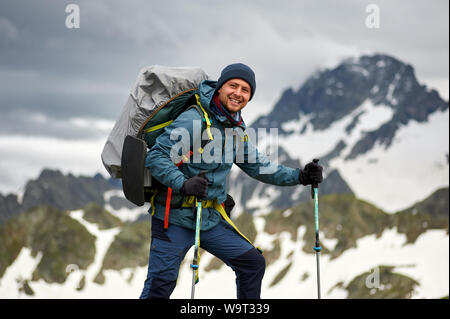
{"x":104,"y":238}
{"x":17,"y":273}
{"x":262,"y":199}
{"x":313,"y":144}
{"x":410,"y":174}
{"x":359,"y":69}
{"x":124,"y":214}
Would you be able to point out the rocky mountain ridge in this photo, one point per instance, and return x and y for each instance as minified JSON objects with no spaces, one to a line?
{"x":63,"y":192}
{"x":331,"y":94}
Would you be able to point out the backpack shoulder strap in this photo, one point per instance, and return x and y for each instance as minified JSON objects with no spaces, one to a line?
{"x":205,"y":119}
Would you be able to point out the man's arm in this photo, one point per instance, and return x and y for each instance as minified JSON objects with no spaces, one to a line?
{"x":258,"y":166}
{"x":158,"y":158}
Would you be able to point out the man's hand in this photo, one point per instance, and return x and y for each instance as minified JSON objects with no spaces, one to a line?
{"x":311,"y":174}
{"x":197,"y":185}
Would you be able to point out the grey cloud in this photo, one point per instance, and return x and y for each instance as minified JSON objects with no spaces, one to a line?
{"x":63,"y":73}
{"x":37,"y":124}
{"x":7,"y":30}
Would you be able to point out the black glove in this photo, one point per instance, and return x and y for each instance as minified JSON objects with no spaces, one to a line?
{"x":311,"y":174}
{"x":229,"y":204}
{"x":197,"y":185}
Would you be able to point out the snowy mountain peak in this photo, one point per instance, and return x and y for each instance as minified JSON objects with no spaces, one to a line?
{"x":331,"y":94}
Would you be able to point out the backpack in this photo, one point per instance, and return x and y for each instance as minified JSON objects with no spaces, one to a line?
{"x":158,"y":97}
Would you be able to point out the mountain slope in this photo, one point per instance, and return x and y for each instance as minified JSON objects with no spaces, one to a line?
{"x":58,"y":239}
{"x":60,"y":191}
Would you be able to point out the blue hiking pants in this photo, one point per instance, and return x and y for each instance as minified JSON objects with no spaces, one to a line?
{"x":169,"y":247}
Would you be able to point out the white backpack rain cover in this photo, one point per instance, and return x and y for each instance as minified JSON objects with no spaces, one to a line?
{"x":155,"y":85}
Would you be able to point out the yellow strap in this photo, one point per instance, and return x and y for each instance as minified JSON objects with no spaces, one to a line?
{"x":191,"y":201}
{"x":224,"y":215}
{"x":152,"y":199}
{"x":208,"y":122}
{"x":157,"y":127}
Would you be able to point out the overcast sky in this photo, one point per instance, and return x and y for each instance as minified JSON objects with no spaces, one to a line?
{"x":61,"y":89}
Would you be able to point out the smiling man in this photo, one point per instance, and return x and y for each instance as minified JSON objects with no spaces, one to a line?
{"x":206,"y":181}
{"x":234,"y":95}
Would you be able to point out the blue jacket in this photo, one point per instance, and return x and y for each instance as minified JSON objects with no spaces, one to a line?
{"x":247,"y":158}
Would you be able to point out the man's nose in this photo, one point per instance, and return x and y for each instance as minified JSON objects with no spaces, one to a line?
{"x":238,"y":91}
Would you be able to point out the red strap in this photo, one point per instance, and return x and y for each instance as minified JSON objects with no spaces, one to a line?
{"x":188,"y":155}
{"x":166,"y":216}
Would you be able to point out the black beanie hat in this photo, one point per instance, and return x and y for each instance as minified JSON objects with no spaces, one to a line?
{"x":238,"y":71}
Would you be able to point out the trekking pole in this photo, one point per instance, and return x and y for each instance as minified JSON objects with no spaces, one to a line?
{"x":195,"y":262}
{"x":317,"y":248}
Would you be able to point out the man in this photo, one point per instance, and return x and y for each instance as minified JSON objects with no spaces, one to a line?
{"x":223,"y":100}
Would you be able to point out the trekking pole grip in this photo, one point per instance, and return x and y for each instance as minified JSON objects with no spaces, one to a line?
{"x":314,"y":185}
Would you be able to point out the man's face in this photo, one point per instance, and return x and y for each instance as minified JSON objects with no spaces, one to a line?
{"x":234,"y":95}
